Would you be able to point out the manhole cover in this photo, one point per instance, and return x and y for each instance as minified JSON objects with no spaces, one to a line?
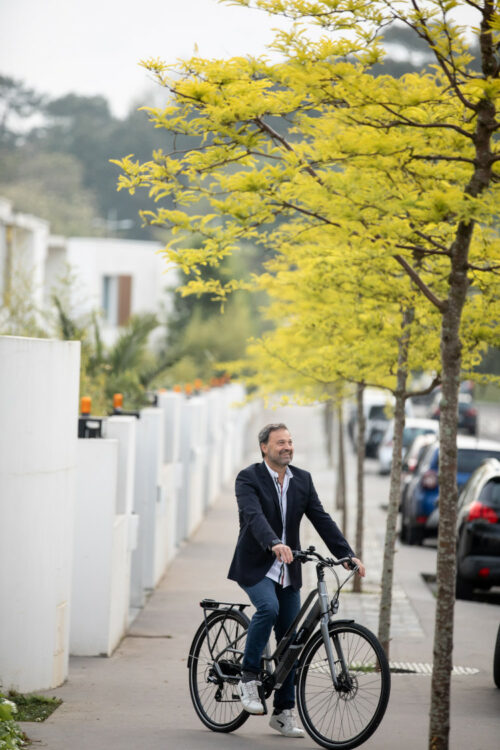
{"x":404,"y":667}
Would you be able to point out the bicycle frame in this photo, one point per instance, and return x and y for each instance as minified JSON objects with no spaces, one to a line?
{"x":291,"y":645}
{"x":341,"y":671}
{"x":293,"y":642}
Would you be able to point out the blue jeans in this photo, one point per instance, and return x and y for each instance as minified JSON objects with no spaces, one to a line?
{"x":276,"y":607}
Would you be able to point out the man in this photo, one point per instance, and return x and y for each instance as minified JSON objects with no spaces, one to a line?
{"x":272,"y":498}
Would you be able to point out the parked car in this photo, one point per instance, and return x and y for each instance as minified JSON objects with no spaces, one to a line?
{"x":412,"y":460}
{"x":413,"y":427}
{"x":496,"y":660}
{"x":377,"y":406}
{"x":467,"y":412}
{"x":478,"y":531}
{"x":419,"y":512}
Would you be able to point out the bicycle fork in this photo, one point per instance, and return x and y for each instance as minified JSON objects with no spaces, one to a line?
{"x":327,"y":641}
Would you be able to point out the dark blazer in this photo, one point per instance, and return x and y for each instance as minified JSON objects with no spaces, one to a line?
{"x":261,"y":524}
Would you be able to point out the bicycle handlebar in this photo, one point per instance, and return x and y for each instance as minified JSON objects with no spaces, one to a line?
{"x":309,"y":554}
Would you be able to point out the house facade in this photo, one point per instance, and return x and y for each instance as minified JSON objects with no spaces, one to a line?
{"x":116,"y":277}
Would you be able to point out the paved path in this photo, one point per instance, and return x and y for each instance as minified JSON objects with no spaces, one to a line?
{"x":138,"y":699}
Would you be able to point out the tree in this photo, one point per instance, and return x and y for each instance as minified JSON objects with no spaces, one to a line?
{"x":49,"y":185}
{"x":408,"y":167}
{"x":17,"y":102}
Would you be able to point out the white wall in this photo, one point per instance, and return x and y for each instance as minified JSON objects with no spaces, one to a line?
{"x":101,"y":566}
{"x":147,"y":502}
{"x":38,"y":437}
{"x":23,"y":250}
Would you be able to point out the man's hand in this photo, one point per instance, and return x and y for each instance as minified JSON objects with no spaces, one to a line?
{"x":361,"y":567}
{"x":283,"y":553}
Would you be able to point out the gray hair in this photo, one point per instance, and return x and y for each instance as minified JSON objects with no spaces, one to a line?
{"x":266,"y":431}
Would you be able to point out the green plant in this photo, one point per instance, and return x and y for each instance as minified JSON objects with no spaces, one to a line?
{"x":33,"y":707}
{"x":11,"y":736}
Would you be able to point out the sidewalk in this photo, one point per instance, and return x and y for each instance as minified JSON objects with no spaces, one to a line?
{"x":139,"y":700}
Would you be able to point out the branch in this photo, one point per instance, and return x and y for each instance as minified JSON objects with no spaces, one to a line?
{"x":440,"y":304}
{"x":485,"y":269}
{"x":443,"y":62}
{"x":423,"y":250}
{"x":278,"y":137}
{"x":285,"y":204}
{"x":432,"y":241}
{"x":435,"y":382}
{"x":436,"y":157}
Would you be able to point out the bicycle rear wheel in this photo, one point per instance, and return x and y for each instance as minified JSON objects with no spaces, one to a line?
{"x":347,"y":716}
{"x":215,"y":668}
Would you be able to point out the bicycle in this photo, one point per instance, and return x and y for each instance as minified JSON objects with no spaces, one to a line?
{"x":342,"y":676}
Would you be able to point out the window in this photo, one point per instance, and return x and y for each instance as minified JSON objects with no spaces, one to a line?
{"x":116,"y":299}
{"x":469,"y":460}
{"x":490,"y":494}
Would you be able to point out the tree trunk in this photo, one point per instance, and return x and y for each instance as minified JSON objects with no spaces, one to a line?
{"x":439,"y":726}
{"x":328,"y":412}
{"x":341,"y":493}
{"x":360,"y":510}
{"x":384,"y":623}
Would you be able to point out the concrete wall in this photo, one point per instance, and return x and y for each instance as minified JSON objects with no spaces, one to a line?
{"x":105,"y":537}
{"x":38,"y":403}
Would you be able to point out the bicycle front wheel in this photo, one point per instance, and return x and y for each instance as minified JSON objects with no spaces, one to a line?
{"x":215,"y":668}
{"x":343,"y":717}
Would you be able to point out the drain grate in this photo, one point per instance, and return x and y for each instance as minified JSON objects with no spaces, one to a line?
{"x":404,"y":667}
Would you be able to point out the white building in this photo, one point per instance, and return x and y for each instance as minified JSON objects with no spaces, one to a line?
{"x":23,"y":249}
{"x":116,"y":277}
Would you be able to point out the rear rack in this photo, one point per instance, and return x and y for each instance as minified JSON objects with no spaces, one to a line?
{"x":212,"y":604}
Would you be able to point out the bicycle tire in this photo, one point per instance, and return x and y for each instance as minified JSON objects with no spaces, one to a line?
{"x":343,"y":718}
{"x":496,"y":660}
{"x":215,"y":701}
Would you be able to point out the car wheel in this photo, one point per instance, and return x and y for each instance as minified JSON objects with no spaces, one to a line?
{"x":403,"y":534}
{"x":496,"y":660}
{"x":415,"y":534}
{"x":463,"y":589}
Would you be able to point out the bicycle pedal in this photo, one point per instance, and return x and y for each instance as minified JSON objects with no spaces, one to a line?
{"x":263,"y":699}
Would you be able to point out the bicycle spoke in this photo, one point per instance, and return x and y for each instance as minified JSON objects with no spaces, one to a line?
{"x":347,"y":715}
{"x":219,"y":645}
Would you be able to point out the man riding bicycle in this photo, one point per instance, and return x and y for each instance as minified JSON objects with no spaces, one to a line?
{"x":272,"y":497}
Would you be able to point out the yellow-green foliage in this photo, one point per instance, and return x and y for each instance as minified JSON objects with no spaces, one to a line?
{"x":355,"y":184}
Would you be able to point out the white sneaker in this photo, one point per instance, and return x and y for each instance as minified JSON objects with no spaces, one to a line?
{"x":249,"y":694}
{"x":286,"y":723}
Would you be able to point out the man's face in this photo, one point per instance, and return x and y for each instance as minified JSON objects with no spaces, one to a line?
{"x":278,"y":451}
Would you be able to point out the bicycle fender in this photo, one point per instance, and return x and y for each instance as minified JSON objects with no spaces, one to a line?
{"x":203,"y":626}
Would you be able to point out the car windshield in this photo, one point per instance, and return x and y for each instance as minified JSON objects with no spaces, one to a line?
{"x":410,"y":433}
{"x":377,"y":412}
{"x":490,"y":494}
{"x":469,"y":460}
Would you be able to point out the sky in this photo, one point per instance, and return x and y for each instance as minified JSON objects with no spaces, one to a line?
{"x":94,"y":46}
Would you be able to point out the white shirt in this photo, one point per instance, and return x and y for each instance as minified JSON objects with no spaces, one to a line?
{"x":279,"y":571}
